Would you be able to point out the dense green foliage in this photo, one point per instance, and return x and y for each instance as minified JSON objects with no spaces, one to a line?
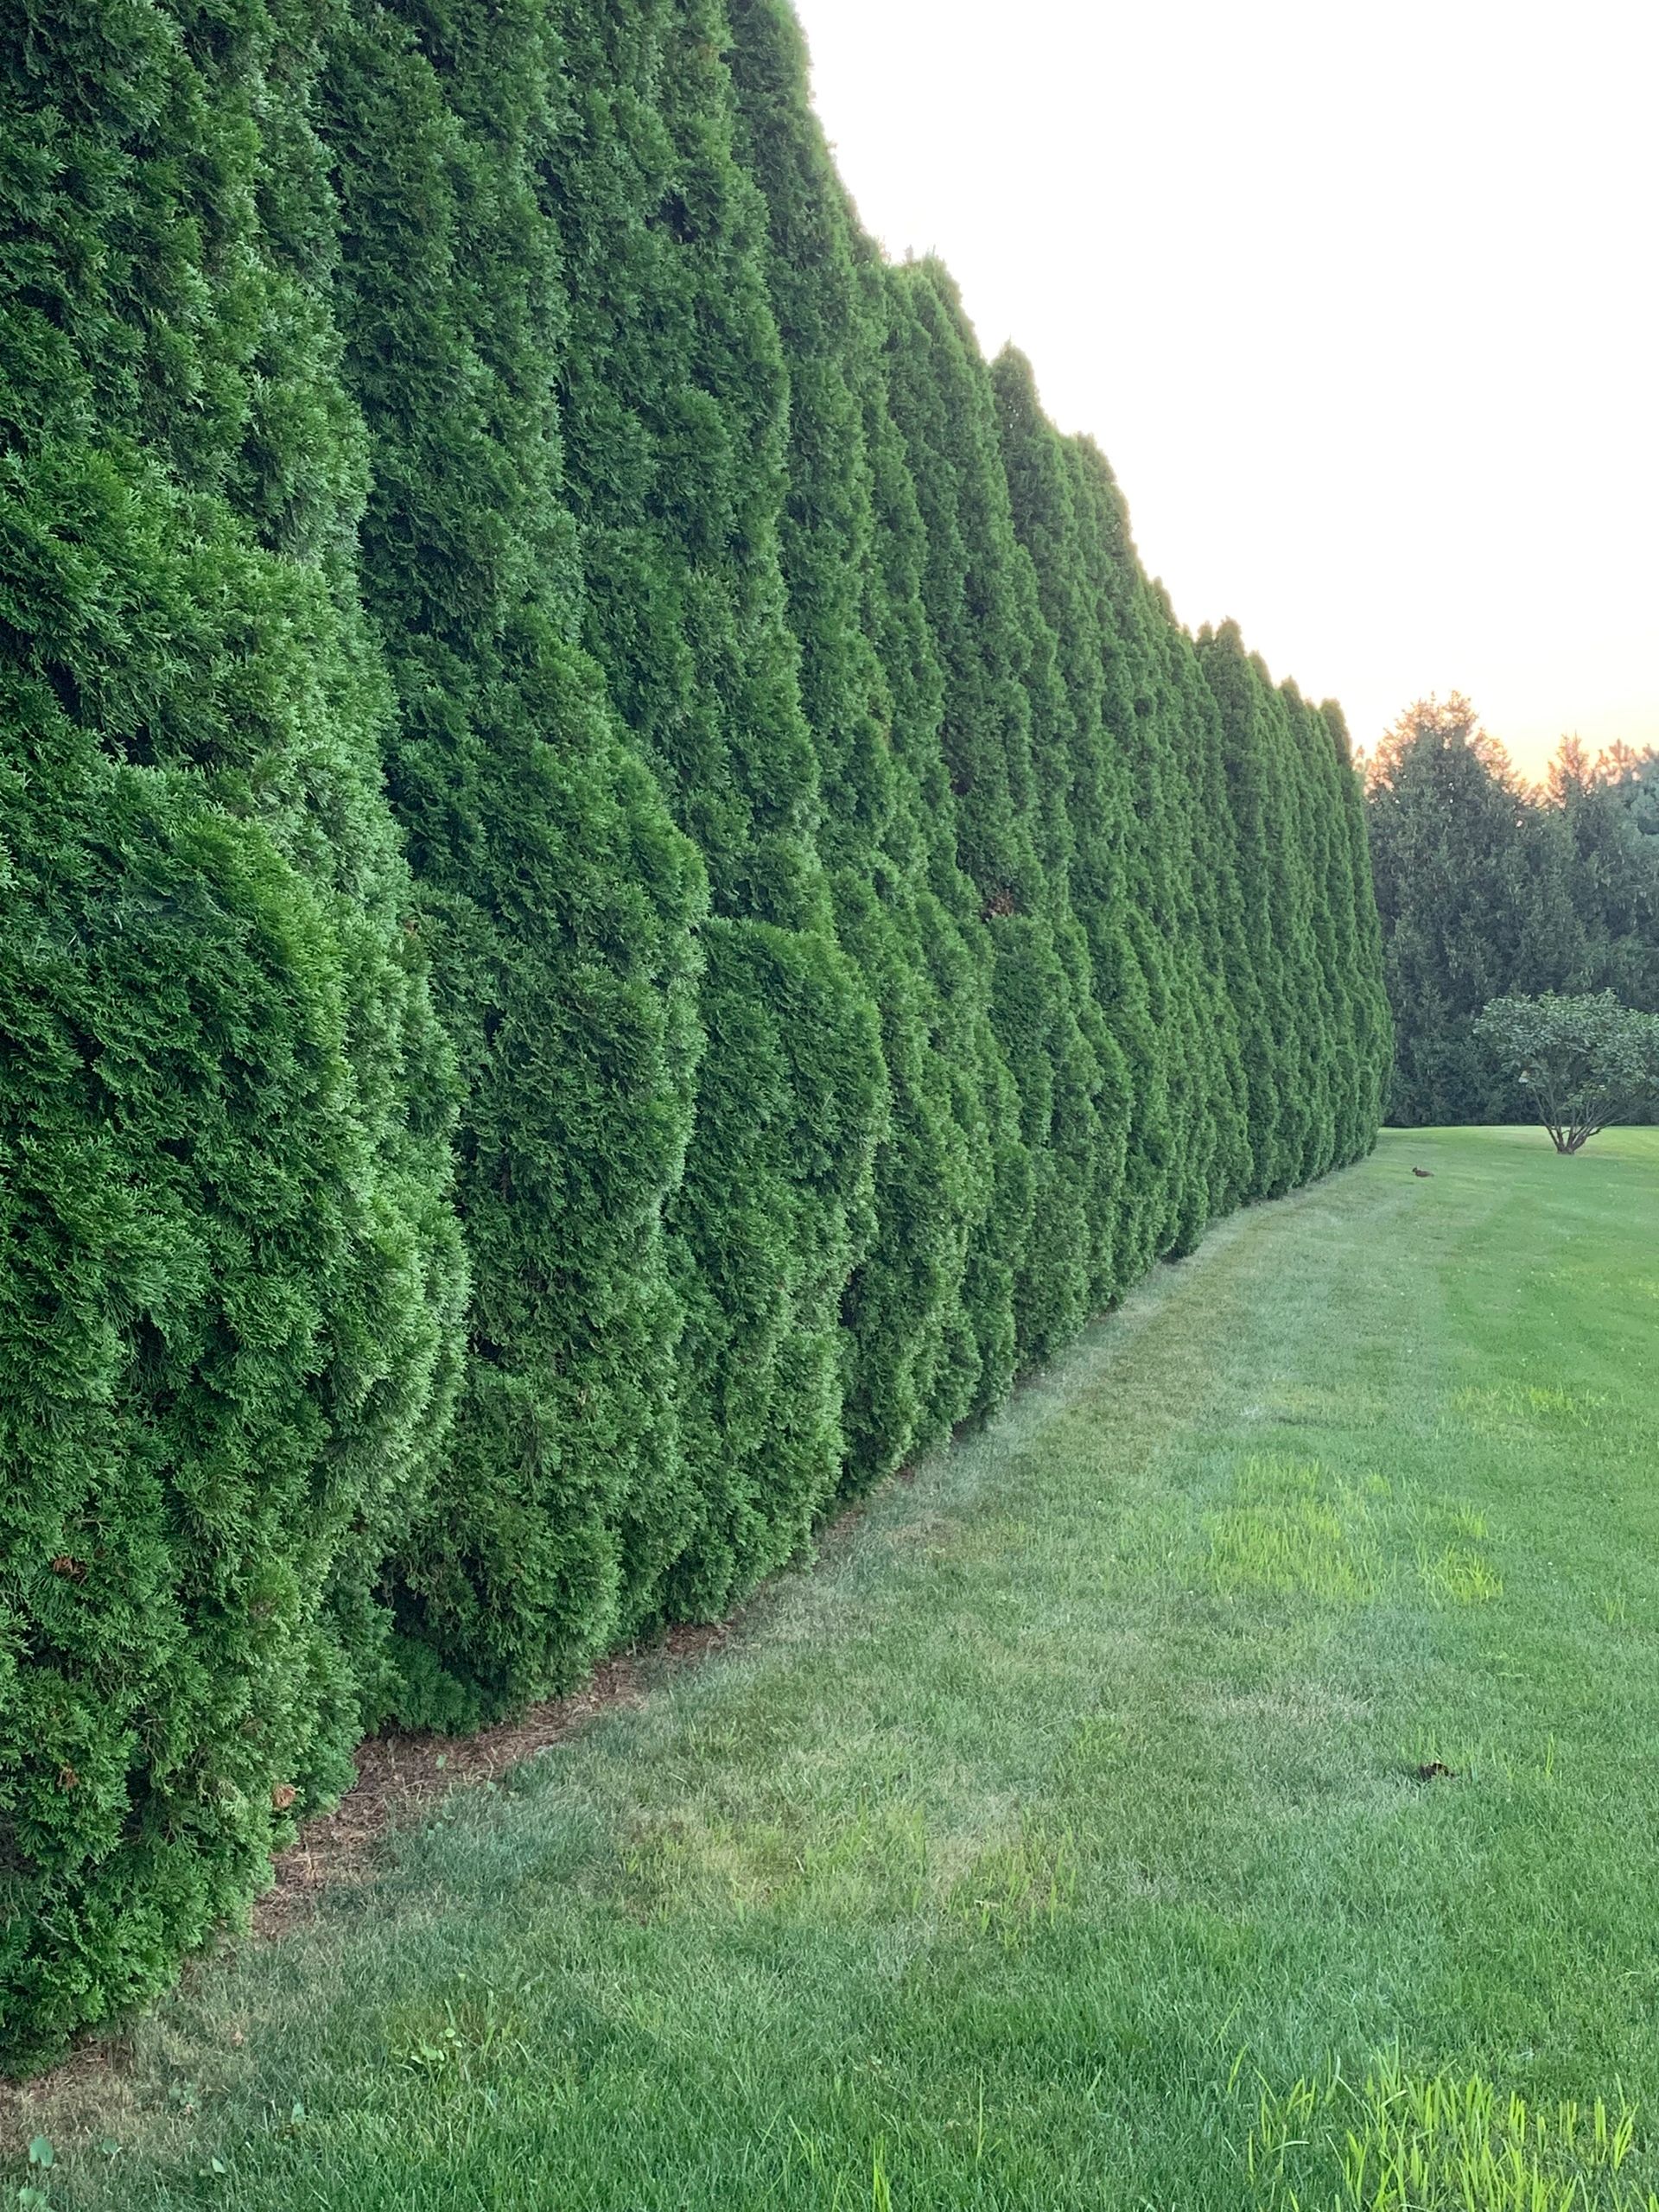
{"x":1488,"y":888}
{"x":869,"y":690}
{"x":557,"y":897}
{"x":1608,"y":811}
{"x":232,"y":1282}
{"x":676,"y":421}
{"x":563,"y":731}
{"x":1586,"y":1061}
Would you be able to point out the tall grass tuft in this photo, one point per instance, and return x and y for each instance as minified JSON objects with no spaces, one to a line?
{"x":1439,"y":2143}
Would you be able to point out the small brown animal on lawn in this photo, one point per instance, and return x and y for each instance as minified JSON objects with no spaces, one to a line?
{"x":1424,"y":1172}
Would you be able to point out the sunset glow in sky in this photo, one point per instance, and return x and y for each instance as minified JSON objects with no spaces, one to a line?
{"x":1360,"y":300}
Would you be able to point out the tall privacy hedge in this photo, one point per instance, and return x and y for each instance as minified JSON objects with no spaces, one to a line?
{"x":618,"y":898}
{"x":232,"y":1280}
{"x":556,"y":899}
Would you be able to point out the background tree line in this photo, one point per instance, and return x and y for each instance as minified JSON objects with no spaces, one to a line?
{"x":1489,"y":886}
{"x":619,"y":897}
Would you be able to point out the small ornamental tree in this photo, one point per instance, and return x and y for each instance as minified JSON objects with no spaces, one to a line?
{"x":1587,"y":1061}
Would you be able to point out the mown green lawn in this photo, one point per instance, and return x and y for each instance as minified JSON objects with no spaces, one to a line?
{"x":1059,"y":1840}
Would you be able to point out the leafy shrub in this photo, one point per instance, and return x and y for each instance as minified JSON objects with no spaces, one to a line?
{"x":1585,"y":1061}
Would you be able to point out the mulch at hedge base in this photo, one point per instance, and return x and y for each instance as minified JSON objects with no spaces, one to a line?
{"x":400,"y":1779}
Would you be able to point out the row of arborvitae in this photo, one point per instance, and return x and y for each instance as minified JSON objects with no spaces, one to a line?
{"x":619,"y":898}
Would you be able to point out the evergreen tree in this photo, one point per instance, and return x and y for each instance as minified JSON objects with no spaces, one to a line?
{"x":1114,"y":894}
{"x":1289,"y":894}
{"x":1028,"y":1263}
{"x":675,"y":402}
{"x":1315,"y":941}
{"x":1367,"y":1029}
{"x":1212,"y":923}
{"x":1053,"y":1292}
{"x":961,"y":1041}
{"x":1635,"y":777}
{"x":1255,"y":978}
{"x":1334,"y":910}
{"x":229,"y":1305}
{"x":1202,"y":1050}
{"x":830,"y":324}
{"x":1473,"y":890}
{"x":1614,"y":868}
{"x":557,"y":898}
{"x":1082,"y":802}
{"x":1167,"y":1173}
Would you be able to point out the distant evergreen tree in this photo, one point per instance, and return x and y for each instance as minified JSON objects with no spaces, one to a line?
{"x":557,"y":898}
{"x":1474,"y":893}
{"x":1605,"y":807}
{"x":1290,"y":902}
{"x":1368,"y":1027}
{"x":1256,"y":982}
{"x":1216,"y":904}
{"x":1304,"y":964}
{"x":229,"y":1305}
{"x":1635,"y":777}
{"x":1315,"y":939}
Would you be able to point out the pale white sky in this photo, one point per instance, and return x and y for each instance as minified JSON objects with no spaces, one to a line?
{"x":1359,"y":299}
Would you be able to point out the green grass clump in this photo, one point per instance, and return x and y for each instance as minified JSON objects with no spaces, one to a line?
{"x":1443,"y":2143}
{"x":1286,"y":1527}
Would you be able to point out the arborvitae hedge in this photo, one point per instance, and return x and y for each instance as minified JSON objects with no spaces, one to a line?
{"x":900,"y":1302}
{"x":557,"y":900}
{"x":941,"y":402}
{"x":675,"y":414}
{"x":231,"y":1282}
{"x":966,"y":1062}
{"x":553,"y":705}
{"x":1081,"y":813}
